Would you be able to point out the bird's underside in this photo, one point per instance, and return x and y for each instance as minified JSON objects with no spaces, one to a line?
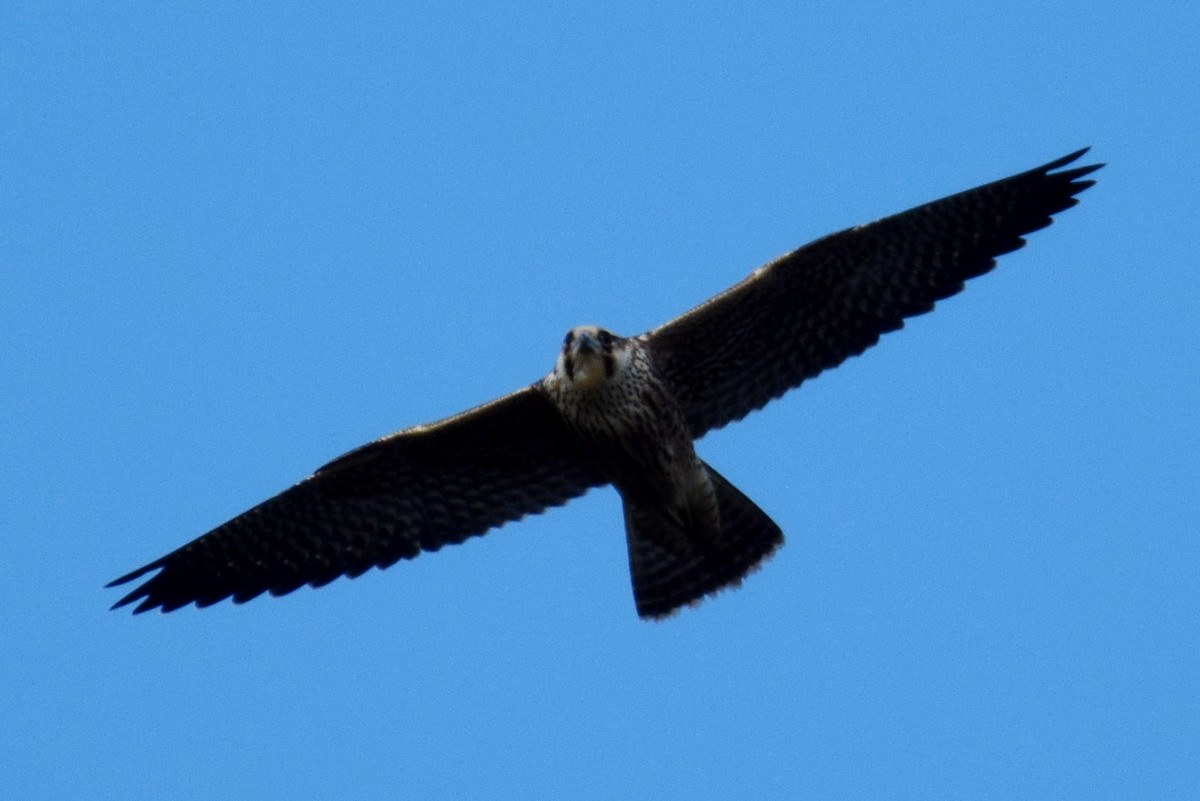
{"x":622,"y":411}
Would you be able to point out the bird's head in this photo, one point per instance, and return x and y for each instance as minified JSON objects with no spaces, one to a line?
{"x":591,"y":356}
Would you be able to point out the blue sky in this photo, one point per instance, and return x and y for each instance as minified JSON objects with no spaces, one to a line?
{"x":235,"y":243}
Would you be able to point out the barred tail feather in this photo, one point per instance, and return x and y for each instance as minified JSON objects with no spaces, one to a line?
{"x":671,"y":568}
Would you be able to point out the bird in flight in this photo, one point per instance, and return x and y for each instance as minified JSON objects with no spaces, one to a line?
{"x":623,"y":411}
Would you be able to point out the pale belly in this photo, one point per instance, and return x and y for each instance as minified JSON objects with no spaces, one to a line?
{"x":640,"y":443}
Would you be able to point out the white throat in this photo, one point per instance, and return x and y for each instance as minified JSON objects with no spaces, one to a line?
{"x":589,"y":372}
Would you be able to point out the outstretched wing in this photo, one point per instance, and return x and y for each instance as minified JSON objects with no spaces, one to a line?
{"x":812,"y":309}
{"x":413,"y":491}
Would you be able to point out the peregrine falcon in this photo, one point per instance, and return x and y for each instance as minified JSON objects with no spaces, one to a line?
{"x":623,"y":411}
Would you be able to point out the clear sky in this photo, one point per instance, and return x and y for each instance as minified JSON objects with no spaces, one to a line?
{"x":236,"y":242}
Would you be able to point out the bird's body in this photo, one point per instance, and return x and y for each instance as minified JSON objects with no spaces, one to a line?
{"x":623,"y":411}
{"x":626,"y":419}
{"x":633,"y":430}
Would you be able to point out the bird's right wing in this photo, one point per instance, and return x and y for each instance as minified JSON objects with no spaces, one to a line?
{"x":815,"y":307}
{"x":413,"y":491}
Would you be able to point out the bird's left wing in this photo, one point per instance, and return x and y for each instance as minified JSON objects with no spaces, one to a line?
{"x":413,"y":491}
{"x":812,"y":309}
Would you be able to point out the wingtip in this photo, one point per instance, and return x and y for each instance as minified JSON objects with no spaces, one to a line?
{"x":128,"y":577}
{"x":141,"y":592}
{"x":128,"y":599}
{"x":1074,"y":173}
{"x":1065,"y":160}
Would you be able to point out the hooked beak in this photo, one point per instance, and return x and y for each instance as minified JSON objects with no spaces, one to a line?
{"x":586,"y":344}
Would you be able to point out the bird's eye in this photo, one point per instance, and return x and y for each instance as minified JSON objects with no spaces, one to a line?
{"x":606,"y":339}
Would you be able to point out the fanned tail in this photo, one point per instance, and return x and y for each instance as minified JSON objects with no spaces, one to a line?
{"x":672,"y":567}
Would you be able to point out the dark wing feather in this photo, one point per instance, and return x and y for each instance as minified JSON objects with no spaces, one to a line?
{"x":812,"y":309}
{"x":413,"y":491}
